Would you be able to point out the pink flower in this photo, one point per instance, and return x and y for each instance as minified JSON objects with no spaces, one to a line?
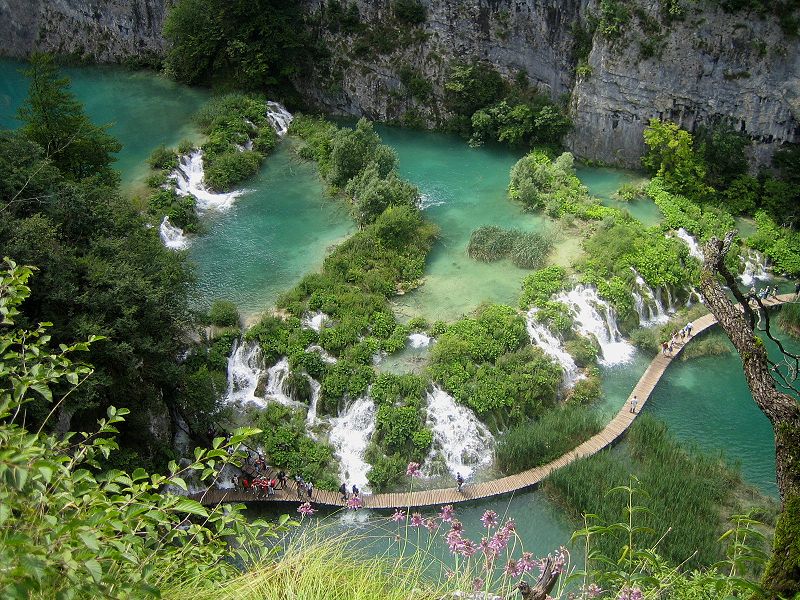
{"x":455,"y":525}
{"x":477,"y":584}
{"x":511,"y":570}
{"x":630,"y":594}
{"x":399,"y":515}
{"x":593,"y":591}
{"x":489,"y":519}
{"x":454,"y":541}
{"x":499,"y":541}
{"x":413,"y":470}
{"x":416,"y":520}
{"x":447,"y":513}
{"x":431,"y":524}
{"x":468,"y":548}
{"x":354,"y":503}
{"x":526,"y":563}
{"x":510,"y":525}
{"x":306,"y":510}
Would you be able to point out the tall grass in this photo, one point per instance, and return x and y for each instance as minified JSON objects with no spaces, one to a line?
{"x":527,"y":250}
{"x":684,"y":492}
{"x":789,"y":318}
{"x":538,"y":442}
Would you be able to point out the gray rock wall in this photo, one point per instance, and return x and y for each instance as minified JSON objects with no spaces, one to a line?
{"x":708,"y":65}
{"x":93,"y":30}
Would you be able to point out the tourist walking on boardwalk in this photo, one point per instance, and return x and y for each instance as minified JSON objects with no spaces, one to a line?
{"x":634,"y":402}
{"x":235,"y":482}
{"x":310,"y":490}
{"x":664,"y":348}
{"x":797,"y":290}
{"x":356,"y":491}
{"x":460,"y":482}
{"x":343,"y":491}
{"x":300,"y":485}
{"x":282,"y":479}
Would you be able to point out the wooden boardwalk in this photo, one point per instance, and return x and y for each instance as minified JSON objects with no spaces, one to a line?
{"x":610,"y":434}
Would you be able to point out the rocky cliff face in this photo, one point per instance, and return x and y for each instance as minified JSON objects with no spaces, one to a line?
{"x":92,"y":30}
{"x":708,"y":65}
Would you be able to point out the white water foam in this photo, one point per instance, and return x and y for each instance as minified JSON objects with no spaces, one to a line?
{"x":542,"y":337}
{"x":189,"y":181}
{"x":350,"y":434}
{"x":172,"y":237}
{"x":315,"y":321}
{"x":311,"y":416}
{"x":587,"y":307}
{"x":463,"y":441}
{"x":694,"y":247}
{"x":245,"y":369}
{"x":426,"y":201}
{"x":419,"y":340}
{"x":276,"y":376}
{"x":648,"y":304}
{"x":755,"y":268}
{"x":279,"y":117}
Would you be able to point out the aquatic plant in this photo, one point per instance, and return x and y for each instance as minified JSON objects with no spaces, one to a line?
{"x":554,"y":433}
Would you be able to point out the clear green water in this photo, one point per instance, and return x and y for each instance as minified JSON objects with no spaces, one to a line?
{"x":285,"y":225}
{"x":603,"y":182}
{"x":143,"y":109}
{"x":271,"y":237}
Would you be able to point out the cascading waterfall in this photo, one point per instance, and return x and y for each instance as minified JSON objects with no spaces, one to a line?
{"x":688,"y":239}
{"x":311,"y":416}
{"x":755,"y":268}
{"x":276,"y":376}
{"x":314,"y":321}
{"x":648,"y":304}
{"x":245,"y":369}
{"x":189,"y":178}
{"x":586,"y":308}
{"x":172,"y":237}
{"x":542,"y":337}
{"x":350,"y":434}
{"x":279,"y":117}
{"x":462,"y":440}
{"x":419,"y":340}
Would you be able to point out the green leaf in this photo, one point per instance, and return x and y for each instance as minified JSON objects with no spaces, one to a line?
{"x":94,"y":569}
{"x":90,"y":540}
{"x":193,"y":507}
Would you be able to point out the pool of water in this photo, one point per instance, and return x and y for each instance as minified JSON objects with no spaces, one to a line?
{"x":143,"y":108}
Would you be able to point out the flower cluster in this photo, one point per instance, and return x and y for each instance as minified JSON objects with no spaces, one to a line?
{"x":306,"y":510}
{"x":354,"y":503}
{"x":593,"y":591}
{"x":399,"y":515}
{"x":413,"y":470}
{"x":447,"y":513}
{"x":489,"y":519}
{"x":630,"y":594}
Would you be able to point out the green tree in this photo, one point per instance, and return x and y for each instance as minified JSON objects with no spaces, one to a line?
{"x":55,"y":120}
{"x":672,"y":157}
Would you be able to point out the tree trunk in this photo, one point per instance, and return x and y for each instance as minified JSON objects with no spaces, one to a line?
{"x":782,"y":575}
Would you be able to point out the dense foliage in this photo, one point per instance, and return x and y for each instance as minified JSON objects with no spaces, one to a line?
{"x":68,"y":530}
{"x":550,"y":436}
{"x":239,"y":136}
{"x":487,"y":108}
{"x":684,"y":491}
{"x":527,"y":250}
{"x":101,"y":270}
{"x":540,"y":183}
{"x":487,"y":363}
{"x":244,"y":44}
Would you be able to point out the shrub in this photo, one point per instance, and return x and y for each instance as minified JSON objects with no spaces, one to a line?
{"x":223,"y":313}
{"x":540,"y":286}
{"x":163,"y":159}
{"x":536,"y":443}
{"x":587,"y":390}
{"x":583,"y":350}
{"x":411,"y":12}
{"x":225,"y":170}
{"x":490,"y":243}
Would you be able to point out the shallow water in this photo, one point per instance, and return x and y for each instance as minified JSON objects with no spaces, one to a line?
{"x":143,"y":108}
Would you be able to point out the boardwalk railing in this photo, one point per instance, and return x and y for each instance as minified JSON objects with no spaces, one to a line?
{"x":611,"y":433}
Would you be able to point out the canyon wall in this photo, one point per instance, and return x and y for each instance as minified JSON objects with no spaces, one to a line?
{"x":105,"y":31}
{"x":707,"y":65}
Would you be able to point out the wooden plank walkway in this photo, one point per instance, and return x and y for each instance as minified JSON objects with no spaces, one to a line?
{"x":611,"y":433}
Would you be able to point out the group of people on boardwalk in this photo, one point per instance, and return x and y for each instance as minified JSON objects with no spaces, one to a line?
{"x":678,"y":336}
{"x":356,"y":493}
{"x":764,"y":293}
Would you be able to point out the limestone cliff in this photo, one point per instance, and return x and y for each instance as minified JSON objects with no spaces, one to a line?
{"x":91,"y":30}
{"x":706,"y":65}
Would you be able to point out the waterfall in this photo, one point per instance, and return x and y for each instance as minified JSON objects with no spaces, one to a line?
{"x":276,"y":376}
{"x":350,"y":434}
{"x":279,"y":117}
{"x":648,"y":303}
{"x":324,"y":354}
{"x":541,"y":336}
{"x":419,"y":340}
{"x":688,"y":239}
{"x":314,"y":321}
{"x":311,"y":416}
{"x":172,"y":237}
{"x":587,"y":307}
{"x":245,"y":369}
{"x":188,"y":179}
{"x":755,"y":268}
{"x":463,"y":441}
